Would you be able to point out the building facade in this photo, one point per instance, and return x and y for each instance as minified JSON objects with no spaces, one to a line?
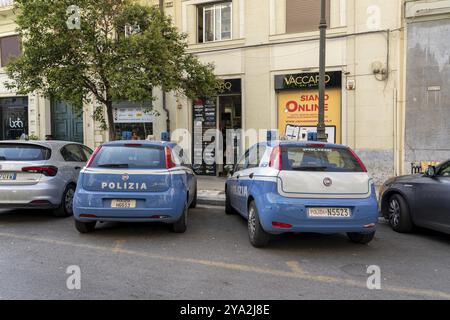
{"x":427,"y":124}
{"x":269,"y":51}
{"x":382,"y":98}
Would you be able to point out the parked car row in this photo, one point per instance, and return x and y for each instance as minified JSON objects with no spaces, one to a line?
{"x":278,"y":187}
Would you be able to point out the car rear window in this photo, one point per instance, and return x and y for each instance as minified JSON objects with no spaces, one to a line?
{"x":319,"y":159}
{"x":133,"y":157}
{"x":23,"y":152}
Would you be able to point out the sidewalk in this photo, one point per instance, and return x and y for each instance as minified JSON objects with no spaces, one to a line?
{"x":211,"y":191}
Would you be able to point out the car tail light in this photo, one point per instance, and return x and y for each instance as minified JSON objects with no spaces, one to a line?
{"x":133,"y":145}
{"x":275,"y":158}
{"x":88,"y":216}
{"x":91,"y":159}
{"x":315,"y":145}
{"x":169,"y":160}
{"x":361,"y":164}
{"x":49,"y":171}
{"x":281,"y":225}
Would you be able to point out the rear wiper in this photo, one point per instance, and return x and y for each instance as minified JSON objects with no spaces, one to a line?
{"x":113,"y":165}
{"x":310,"y":168}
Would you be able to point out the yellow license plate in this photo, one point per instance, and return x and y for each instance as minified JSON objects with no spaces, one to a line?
{"x":123,"y":203}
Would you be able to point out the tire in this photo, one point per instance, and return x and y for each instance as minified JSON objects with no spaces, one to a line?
{"x":229,"y":210}
{"x":194,"y":201}
{"x":257,"y":236}
{"x":181,"y":225}
{"x":398,"y":214}
{"x":85,"y":227}
{"x":361,"y":238}
{"x":66,"y":207}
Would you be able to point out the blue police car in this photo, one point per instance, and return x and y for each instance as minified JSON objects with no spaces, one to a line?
{"x":294,"y":187}
{"x":135,"y":181}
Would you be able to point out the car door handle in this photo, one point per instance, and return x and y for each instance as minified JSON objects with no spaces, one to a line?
{"x":251,"y":175}
{"x":238,"y":176}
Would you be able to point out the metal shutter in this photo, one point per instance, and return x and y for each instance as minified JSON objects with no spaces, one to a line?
{"x":304,"y":15}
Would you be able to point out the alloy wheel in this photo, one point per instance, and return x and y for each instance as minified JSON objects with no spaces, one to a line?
{"x":394,"y":212}
{"x":68,"y":200}
{"x":251,"y":221}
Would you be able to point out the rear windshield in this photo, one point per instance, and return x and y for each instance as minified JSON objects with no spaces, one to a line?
{"x":133,"y":157}
{"x":23,"y":152}
{"x":319,"y":159}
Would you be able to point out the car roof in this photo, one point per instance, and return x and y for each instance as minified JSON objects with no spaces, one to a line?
{"x":303,"y":144}
{"x":142,"y":142}
{"x":47,"y":143}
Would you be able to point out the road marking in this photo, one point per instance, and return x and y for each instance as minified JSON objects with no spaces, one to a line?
{"x":295,"y":267}
{"x":118,"y":246}
{"x":240,"y":267}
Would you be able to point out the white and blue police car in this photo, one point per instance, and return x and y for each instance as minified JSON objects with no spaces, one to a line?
{"x":135,"y":181}
{"x":294,"y":187}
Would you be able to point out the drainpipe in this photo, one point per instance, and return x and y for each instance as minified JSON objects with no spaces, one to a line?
{"x":164,"y":98}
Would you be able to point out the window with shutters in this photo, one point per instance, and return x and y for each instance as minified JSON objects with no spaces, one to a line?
{"x":304,"y":15}
{"x":9,"y":48}
{"x":214,"y":22}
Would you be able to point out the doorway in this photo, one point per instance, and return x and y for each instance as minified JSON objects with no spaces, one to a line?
{"x":67,"y":124}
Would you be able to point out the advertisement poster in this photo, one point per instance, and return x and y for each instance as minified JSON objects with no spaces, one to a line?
{"x":132,"y":115}
{"x":298,"y":106}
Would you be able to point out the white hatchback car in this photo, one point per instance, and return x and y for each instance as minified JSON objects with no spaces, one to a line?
{"x":40,"y":174}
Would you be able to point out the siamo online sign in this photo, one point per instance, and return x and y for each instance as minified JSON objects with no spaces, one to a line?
{"x":298,"y":105}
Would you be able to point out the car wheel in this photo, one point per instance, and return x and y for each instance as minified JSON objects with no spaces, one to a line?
{"x":85,"y":227}
{"x":181,"y":225}
{"x":194,"y":201}
{"x":398,"y":214}
{"x":66,"y":207}
{"x":361,"y":238}
{"x":258,"y":237}
{"x":229,"y":210}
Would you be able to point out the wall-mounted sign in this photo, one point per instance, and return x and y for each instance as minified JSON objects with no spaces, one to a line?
{"x":132,"y":115}
{"x":298,"y":105}
{"x":231,"y":86}
{"x":307,"y":81}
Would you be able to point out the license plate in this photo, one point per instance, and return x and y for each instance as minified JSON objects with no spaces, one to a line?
{"x":123,"y":203}
{"x":329,"y":212}
{"x":8,"y":176}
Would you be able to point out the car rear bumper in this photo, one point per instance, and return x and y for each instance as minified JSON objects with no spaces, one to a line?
{"x":150,"y":206}
{"x":294,"y":212}
{"x":42,"y":195}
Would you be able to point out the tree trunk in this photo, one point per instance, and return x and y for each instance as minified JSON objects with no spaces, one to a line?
{"x":111,"y":126}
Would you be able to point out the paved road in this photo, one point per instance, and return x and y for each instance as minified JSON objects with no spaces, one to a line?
{"x":213,"y":260}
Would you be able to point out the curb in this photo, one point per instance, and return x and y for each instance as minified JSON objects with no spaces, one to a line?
{"x":211,"y":202}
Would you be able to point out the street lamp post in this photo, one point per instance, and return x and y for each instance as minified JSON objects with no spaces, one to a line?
{"x":321,"y":134}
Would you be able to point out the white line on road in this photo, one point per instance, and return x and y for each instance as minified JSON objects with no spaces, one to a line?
{"x":240,"y":267}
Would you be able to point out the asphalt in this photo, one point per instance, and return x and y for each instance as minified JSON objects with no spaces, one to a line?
{"x":212,"y":260}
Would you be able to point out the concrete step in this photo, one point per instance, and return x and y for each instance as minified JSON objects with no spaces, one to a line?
{"x":211,"y":197}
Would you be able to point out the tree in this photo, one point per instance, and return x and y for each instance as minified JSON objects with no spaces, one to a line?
{"x":78,"y":50}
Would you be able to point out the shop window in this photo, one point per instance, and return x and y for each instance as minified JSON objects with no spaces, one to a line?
{"x":10,"y":48}
{"x":214,"y":22}
{"x":13,"y":117}
{"x":304,"y":15}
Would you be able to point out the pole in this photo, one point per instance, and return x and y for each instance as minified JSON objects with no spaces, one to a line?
{"x":164,"y":98}
{"x":321,"y":134}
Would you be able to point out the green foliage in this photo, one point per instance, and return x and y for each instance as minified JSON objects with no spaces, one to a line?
{"x":97,"y":60}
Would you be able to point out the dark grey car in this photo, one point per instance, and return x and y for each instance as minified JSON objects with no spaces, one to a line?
{"x":418,"y":200}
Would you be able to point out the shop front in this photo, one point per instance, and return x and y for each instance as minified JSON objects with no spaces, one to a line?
{"x":13,"y":117}
{"x":211,"y":117}
{"x":298,"y":105}
{"x":133,"y":121}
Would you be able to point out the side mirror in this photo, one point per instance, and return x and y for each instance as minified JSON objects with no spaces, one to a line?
{"x":229,"y":169}
{"x":431,"y":171}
